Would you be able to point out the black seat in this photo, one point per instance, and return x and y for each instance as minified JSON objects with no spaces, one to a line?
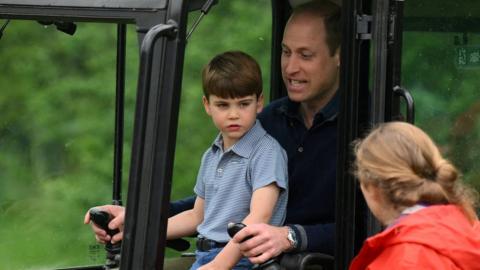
{"x":299,"y":261}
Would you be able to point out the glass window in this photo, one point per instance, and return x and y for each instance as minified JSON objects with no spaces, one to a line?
{"x":441,"y":68}
{"x":57,"y":107}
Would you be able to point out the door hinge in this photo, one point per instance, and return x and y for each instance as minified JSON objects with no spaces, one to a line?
{"x":364,"y":27}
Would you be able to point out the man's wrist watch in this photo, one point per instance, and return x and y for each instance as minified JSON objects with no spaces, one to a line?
{"x":292,"y":238}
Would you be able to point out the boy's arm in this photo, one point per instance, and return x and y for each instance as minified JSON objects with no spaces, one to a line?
{"x":185,"y":223}
{"x":262,"y":204}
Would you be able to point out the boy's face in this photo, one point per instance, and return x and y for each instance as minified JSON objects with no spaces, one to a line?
{"x":233,"y":116}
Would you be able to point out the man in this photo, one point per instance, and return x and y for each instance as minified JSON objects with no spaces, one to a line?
{"x":305,"y":124}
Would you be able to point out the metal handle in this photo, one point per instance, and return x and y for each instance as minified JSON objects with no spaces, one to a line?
{"x":144,"y":82}
{"x":119,"y":115}
{"x":402,"y":92}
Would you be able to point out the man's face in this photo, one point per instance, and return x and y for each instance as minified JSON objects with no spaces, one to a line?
{"x":309,"y":72}
{"x":233,"y":116}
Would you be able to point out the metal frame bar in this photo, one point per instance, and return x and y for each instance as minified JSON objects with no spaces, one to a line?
{"x":136,"y":219}
{"x":280,"y":15}
{"x":155,"y":133}
{"x":379,"y":41}
{"x":119,"y":115}
{"x":75,"y":14}
{"x":350,"y":208}
{"x":394,"y":60}
{"x":380,"y":30}
{"x":133,"y":4}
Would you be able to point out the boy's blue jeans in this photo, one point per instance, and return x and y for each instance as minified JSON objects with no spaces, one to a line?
{"x":204,"y":257}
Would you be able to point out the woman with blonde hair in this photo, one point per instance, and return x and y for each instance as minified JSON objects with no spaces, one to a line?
{"x":415,"y":192}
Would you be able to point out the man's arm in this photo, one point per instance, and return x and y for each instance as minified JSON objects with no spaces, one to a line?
{"x":316,"y":238}
{"x":181,"y":205}
{"x":185,"y":223}
{"x":262,"y":204}
{"x":118,"y":218}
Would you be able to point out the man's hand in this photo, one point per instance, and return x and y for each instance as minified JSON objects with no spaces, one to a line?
{"x":118,"y":214}
{"x":267,"y":242}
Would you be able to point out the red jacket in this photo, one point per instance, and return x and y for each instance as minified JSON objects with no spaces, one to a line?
{"x":437,"y":237}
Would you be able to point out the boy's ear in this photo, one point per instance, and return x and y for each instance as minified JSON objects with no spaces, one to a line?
{"x":260,"y":103}
{"x":206,"y":105}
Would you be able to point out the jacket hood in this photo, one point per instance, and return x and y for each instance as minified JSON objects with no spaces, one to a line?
{"x":443,"y":228}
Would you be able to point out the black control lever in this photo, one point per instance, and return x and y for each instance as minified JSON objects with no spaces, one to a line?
{"x":234,"y":228}
{"x":272,"y":264}
{"x":101,"y":219}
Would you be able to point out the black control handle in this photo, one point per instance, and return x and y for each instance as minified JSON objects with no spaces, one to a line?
{"x":101,"y":219}
{"x":233,"y":228}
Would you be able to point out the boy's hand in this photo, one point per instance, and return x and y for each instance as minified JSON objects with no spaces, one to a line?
{"x":213,"y":265}
{"x":118,"y":214}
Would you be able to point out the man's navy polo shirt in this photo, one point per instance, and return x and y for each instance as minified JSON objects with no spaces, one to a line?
{"x":312,"y":161}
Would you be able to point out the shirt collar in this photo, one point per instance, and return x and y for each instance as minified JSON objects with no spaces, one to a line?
{"x":329,"y":112}
{"x":245,"y":145}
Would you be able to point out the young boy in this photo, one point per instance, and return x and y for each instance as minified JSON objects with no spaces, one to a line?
{"x":243,"y":175}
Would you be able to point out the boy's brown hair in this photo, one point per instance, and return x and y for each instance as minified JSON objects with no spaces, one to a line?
{"x":232,"y":74}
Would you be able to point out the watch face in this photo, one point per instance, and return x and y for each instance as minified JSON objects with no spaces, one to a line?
{"x":291,"y":237}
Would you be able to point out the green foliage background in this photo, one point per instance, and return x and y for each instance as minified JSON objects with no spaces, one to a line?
{"x":446,"y":95}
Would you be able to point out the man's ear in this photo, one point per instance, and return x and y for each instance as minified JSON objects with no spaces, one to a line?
{"x":337,"y":56}
{"x":260,"y":103}
{"x":206,"y":105}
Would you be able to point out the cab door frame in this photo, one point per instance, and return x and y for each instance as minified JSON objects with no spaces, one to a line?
{"x":370,"y":75}
{"x":353,"y":120}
